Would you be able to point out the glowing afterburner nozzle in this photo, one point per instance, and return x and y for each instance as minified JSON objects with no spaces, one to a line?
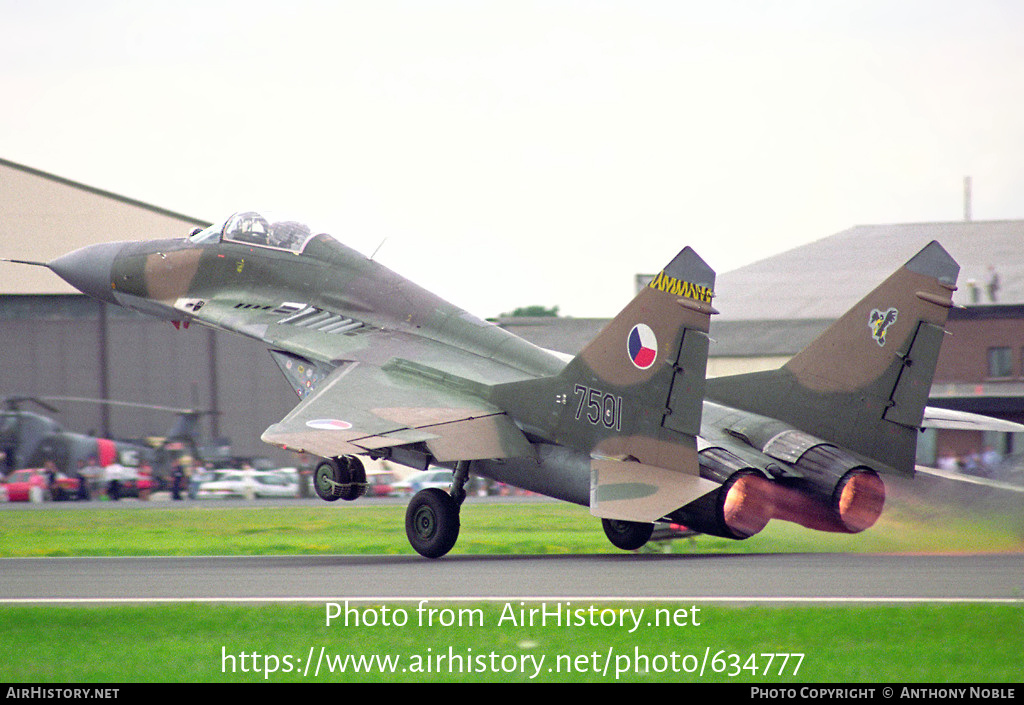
{"x":860,"y":497}
{"x":748,"y":505}
{"x":856,"y":504}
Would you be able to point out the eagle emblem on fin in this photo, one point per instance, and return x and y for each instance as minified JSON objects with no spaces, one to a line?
{"x":879,"y":323}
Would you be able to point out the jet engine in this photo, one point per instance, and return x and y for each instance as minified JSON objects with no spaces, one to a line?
{"x":738,"y":509}
{"x":792,"y":476}
{"x":834,"y":491}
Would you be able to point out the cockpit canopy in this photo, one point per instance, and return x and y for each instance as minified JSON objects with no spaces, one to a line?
{"x":252,"y":228}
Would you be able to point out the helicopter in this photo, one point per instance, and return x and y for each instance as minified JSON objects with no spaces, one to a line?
{"x":32,"y":440}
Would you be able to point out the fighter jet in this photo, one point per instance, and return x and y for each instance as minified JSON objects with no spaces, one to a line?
{"x":630,"y":427}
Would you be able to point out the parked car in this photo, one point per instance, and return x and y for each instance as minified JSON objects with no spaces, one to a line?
{"x":421,"y":481}
{"x":380,"y":484}
{"x":289,"y":474}
{"x":122,"y":481}
{"x":31,"y":485}
{"x":200,"y":478}
{"x":249,"y":484}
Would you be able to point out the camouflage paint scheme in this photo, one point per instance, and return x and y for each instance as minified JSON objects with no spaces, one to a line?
{"x":629,"y":427}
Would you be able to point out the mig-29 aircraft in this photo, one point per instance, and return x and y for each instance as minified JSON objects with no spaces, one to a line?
{"x":629,"y":427}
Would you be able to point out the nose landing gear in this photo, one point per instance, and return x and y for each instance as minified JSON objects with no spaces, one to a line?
{"x":432,"y":517}
{"x":432,"y":522}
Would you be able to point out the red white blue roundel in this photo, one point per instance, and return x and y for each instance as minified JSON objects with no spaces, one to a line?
{"x":329,"y":424}
{"x":642,"y":346}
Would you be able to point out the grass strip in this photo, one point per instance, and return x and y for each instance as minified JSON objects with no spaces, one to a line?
{"x":522,"y":528}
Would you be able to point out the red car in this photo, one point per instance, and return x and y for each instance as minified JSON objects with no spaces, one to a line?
{"x":378,"y":484}
{"x":31,"y":485}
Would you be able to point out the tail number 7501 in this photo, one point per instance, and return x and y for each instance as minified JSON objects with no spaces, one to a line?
{"x":599,"y":407}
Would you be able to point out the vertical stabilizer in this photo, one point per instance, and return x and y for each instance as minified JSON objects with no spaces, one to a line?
{"x":632,"y":398}
{"x":863,"y":384}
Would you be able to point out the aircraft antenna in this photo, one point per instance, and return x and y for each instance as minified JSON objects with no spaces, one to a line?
{"x":24,"y":261}
{"x":378,"y":248}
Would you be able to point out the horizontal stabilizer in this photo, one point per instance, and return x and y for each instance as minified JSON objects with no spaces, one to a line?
{"x":630,"y":491}
{"x":935,"y":417}
{"x":970,"y":479}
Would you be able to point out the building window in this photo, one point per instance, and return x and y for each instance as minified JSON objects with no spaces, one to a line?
{"x":1000,"y":362}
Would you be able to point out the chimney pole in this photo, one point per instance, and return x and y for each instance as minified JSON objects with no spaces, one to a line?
{"x":967,"y":199}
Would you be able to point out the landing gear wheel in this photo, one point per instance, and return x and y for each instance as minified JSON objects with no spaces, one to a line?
{"x":432,"y":522}
{"x":356,"y":478}
{"x":627,"y":535}
{"x":340,"y":478}
{"x":327,"y":479}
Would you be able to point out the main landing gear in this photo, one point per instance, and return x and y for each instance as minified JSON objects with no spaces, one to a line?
{"x":340,"y":478}
{"x":627,"y":535}
{"x":432,"y":517}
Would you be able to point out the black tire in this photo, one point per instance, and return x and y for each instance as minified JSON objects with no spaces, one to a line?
{"x":326,"y":474}
{"x":432,"y":522}
{"x":627,"y":535}
{"x":356,"y":477}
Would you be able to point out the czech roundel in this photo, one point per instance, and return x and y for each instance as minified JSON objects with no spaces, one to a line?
{"x":642,"y":346}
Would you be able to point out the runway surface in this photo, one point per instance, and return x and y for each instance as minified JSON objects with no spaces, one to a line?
{"x":765,"y":577}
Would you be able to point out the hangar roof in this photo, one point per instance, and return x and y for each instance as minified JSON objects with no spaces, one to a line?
{"x":823,"y":279}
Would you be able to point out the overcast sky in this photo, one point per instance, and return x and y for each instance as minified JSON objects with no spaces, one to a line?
{"x":510,"y":153}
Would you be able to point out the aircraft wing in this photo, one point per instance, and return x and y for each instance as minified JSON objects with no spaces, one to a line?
{"x":359,"y":408}
{"x":361,"y":390}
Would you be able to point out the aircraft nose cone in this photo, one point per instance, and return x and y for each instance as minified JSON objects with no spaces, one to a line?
{"x":88,"y":269}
